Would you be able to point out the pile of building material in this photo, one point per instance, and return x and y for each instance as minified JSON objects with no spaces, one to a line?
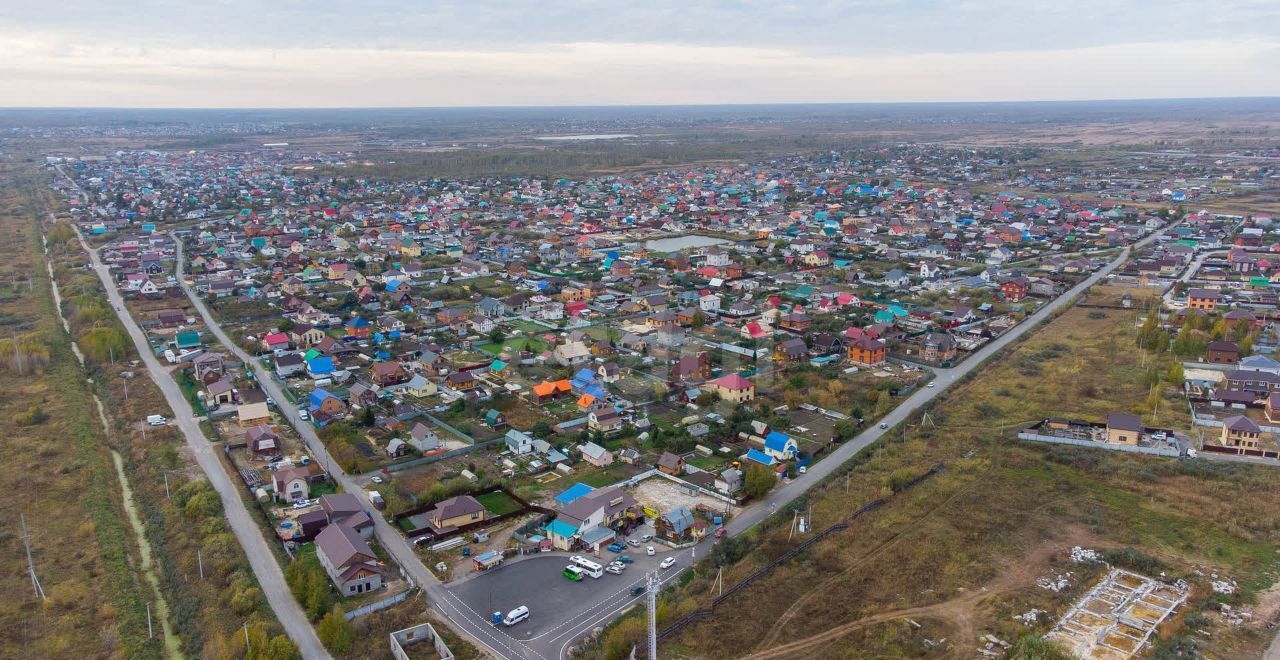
{"x":1115,"y":620}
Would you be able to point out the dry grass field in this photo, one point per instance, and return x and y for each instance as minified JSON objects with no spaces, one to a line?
{"x":960,"y":554}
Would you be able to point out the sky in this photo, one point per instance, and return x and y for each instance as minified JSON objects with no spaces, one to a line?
{"x":420,"y":53}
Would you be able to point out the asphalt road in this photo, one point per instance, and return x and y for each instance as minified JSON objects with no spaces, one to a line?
{"x":391,"y":539}
{"x":474,"y":623}
{"x":781,"y":496}
{"x":265,"y":568}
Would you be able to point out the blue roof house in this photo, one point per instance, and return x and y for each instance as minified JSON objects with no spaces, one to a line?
{"x":780,"y":446}
{"x":572,"y":493}
{"x":320,"y":366}
{"x":760,"y":457}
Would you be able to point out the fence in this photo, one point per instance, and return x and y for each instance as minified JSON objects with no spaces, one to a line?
{"x":443,"y":455}
{"x":1092,"y":444}
{"x":379,"y":605}
{"x":679,"y":624}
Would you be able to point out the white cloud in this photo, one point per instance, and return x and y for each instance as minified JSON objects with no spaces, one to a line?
{"x":45,"y":69}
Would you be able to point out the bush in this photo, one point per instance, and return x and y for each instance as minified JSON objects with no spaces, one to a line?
{"x":336,"y":633}
{"x":1034,"y":647}
{"x":1134,"y":559}
{"x":33,"y":416}
{"x":899,"y":479}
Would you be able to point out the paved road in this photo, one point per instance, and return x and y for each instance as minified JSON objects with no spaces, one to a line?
{"x":265,"y":568}
{"x":391,"y":539}
{"x":781,"y":496}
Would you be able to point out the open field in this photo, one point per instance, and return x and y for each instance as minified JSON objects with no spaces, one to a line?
{"x":80,"y":542}
{"x":961,"y":554}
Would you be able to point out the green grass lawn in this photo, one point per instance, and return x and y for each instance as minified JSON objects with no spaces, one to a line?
{"x":606,"y":476}
{"x":707,"y":462}
{"x":498,"y":503}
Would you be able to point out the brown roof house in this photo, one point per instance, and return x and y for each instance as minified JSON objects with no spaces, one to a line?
{"x":1123,"y":429}
{"x":388,"y":373}
{"x":291,"y":484}
{"x":671,"y":464}
{"x":1222,"y":352}
{"x":1240,"y":433}
{"x":348,"y":560}
{"x":262,"y":440}
{"x":456,"y":512}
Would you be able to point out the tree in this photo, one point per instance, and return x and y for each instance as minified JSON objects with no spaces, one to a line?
{"x":310,"y":586}
{"x":759,"y":481}
{"x":497,"y":336}
{"x":843,"y":429}
{"x":1175,"y":375}
{"x":883,"y":401}
{"x":367,"y":416}
{"x":335,"y":632}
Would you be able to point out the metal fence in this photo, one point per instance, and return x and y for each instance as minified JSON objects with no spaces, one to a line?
{"x":443,"y":455}
{"x":1092,"y":444}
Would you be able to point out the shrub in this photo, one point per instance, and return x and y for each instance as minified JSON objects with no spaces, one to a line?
{"x":336,"y":633}
{"x":33,"y":416}
{"x":1134,"y":559}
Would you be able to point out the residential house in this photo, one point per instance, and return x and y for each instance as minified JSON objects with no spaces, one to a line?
{"x":1222,"y":352}
{"x":604,"y":420}
{"x":866,"y":352}
{"x":423,"y":438}
{"x":291,"y":484}
{"x":347,"y":559}
{"x":1124,"y":429}
{"x":780,"y":446}
{"x":262,"y":440}
{"x":1205,"y":300}
{"x":387,"y":373}
{"x":518,"y":442}
{"x":790,"y":350}
{"x":938,"y":347}
{"x":1240,"y":433}
{"x":672,"y":464}
{"x":596,"y":455}
{"x":733,"y":387}
{"x":456,"y":512}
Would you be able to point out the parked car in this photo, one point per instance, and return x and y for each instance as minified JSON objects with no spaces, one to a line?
{"x":646,"y":538}
{"x":616,"y":547}
{"x":650,"y":551}
{"x":633,"y":543}
{"x":375,"y":479}
{"x":625,"y":559}
{"x":303,"y":414}
{"x":516,"y":616}
{"x":614,"y":569}
{"x":668,"y":562}
{"x":156,"y":420}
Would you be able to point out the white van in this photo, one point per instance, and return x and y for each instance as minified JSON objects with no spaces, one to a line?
{"x":516,"y":616}
{"x":156,"y":420}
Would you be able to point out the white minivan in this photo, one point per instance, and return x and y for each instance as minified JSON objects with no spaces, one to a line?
{"x":516,"y":616}
{"x":156,"y":420}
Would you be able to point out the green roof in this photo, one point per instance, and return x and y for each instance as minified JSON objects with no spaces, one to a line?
{"x":187,"y":339}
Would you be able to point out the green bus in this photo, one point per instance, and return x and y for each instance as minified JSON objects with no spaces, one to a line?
{"x":573,"y":573}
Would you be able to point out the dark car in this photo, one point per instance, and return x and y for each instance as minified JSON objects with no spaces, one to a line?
{"x":626,"y":559}
{"x":637,"y":590}
{"x":616,"y":547}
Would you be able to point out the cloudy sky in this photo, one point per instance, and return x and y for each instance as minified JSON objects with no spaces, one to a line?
{"x":328,"y":53}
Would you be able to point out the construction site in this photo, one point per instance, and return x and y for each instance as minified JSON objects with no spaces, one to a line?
{"x":1118,"y":616}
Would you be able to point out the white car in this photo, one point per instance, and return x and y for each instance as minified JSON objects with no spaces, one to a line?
{"x":650,"y":551}
{"x":633,"y":543}
{"x":614,"y":569}
{"x":931,"y":384}
{"x":303,"y":414}
{"x":646,"y":538}
{"x":375,"y":479}
{"x":668,"y":562}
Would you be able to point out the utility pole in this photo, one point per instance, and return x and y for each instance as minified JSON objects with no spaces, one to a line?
{"x":150,"y":634}
{"x":31,"y":567}
{"x":651,"y":582}
{"x":166,"y":487}
{"x":200,"y":562}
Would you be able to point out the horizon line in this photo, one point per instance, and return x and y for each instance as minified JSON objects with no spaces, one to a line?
{"x":4,"y":108}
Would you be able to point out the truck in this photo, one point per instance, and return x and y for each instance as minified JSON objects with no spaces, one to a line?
{"x":375,"y":498}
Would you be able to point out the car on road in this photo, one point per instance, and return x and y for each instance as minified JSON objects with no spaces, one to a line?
{"x":516,"y":616}
{"x":668,"y":562}
{"x":650,"y":551}
{"x":637,"y":590}
{"x":616,"y":547}
{"x":931,"y":384}
{"x":884,"y":425}
{"x":303,"y":414}
{"x":646,"y":538}
{"x":625,"y":559}
{"x":633,"y":543}
{"x":271,"y":401}
{"x":375,"y":479}
{"x":615,"y":569}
